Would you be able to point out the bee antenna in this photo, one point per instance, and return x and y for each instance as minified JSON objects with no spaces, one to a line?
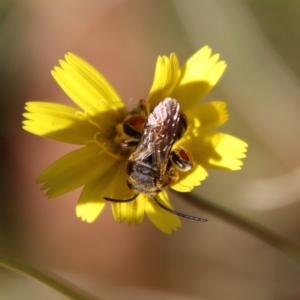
{"x":121,"y":200}
{"x":178,"y":213}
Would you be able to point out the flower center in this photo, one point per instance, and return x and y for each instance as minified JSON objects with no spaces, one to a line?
{"x":110,"y":135}
{"x":127,"y":134}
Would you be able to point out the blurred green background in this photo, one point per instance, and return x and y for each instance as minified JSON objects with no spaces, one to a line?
{"x":260,"y":41}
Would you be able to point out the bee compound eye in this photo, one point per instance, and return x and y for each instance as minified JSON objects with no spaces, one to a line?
{"x":182,"y":159}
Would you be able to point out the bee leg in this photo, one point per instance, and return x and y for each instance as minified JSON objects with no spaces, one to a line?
{"x":178,"y":213}
{"x":130,"y":143}
{"x":133,"y":126}
{"x":121,"y":200}
{"x":182,"y":159}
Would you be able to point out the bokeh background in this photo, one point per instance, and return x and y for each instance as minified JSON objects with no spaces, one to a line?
{"x":260,"y":41}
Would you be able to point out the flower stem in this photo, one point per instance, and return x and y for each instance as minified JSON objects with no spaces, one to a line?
{"x":265,"y":234}
{"x":58,"y":284}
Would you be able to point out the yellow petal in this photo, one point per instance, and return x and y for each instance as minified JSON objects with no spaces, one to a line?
{"x":74,"y":170}
{"x":207,"y":116}
{"x":131,"y":212}
{"x":188,"y":180}
{"x":88,"y":88}
{"x":119,"y":188}
{"x":58,"y":122}
{"x":199,"y":74}
{"x":215,"y":150}
{"x":90,"y":204}
{"x":165,"y":78}
{"x":91,"y":201}
{"x":163,"y":220}
{"x":89,"y":211}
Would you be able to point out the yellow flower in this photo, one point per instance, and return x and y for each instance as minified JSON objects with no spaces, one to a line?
{"x":99,"y":165}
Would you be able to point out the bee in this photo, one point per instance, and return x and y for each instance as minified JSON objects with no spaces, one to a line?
{"x":153,"y":165}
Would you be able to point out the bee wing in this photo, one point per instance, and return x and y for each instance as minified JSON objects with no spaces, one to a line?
{"x":159,"y":134}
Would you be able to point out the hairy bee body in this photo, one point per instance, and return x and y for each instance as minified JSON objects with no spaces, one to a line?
{"x":145,"y":178}
{"x":149,"y":168}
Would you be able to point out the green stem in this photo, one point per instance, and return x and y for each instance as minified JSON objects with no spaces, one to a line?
{"x":52,"y":281}
{"x":265,"y":234}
